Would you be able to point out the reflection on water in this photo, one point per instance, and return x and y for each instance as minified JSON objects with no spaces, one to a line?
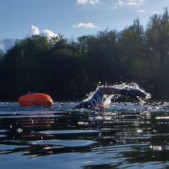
{"x":126,"y":136}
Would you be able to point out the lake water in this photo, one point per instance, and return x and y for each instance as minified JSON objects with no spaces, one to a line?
{"x":126,"y":136}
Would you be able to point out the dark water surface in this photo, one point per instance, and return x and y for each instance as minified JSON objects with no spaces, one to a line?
{"x":126,"y":136}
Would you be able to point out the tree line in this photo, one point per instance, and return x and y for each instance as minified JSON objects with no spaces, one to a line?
{"x":68,"y":69}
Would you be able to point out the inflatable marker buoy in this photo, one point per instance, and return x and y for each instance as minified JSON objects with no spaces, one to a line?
{"x":35,"y":99}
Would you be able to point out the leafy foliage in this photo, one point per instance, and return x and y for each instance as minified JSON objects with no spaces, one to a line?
{"x":69,"y":69}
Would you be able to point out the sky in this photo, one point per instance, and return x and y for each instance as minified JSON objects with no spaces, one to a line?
{"x":20,"y":19}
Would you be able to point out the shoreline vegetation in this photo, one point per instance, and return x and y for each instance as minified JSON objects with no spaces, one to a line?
{"x":69,"y":69}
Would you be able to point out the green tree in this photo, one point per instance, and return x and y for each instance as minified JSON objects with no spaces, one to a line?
{"x":157,"y":43}
{"x":131,"y":47}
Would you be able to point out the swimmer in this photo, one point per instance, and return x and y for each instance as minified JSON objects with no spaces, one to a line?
{"x":97,"y":98}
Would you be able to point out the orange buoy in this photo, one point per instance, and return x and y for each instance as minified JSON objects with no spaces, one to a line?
{"x":35,"y":99}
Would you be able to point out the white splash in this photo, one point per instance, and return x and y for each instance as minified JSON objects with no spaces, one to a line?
{"x":107,"y":99}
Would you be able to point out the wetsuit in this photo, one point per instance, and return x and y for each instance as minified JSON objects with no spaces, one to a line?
{"x":96,"y":99}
